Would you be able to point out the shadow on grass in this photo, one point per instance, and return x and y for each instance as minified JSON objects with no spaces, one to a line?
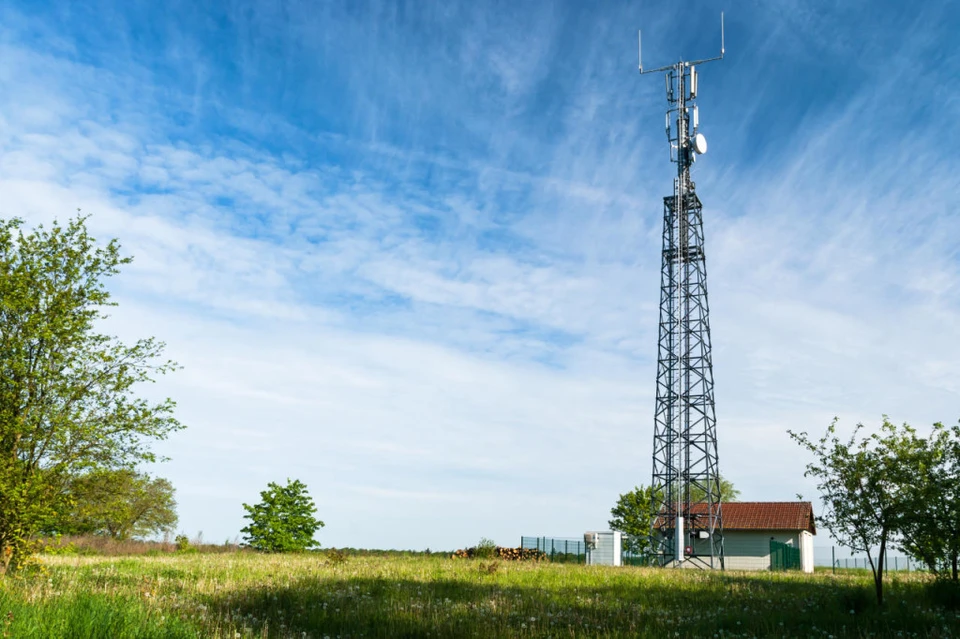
{"x":640,"y":603}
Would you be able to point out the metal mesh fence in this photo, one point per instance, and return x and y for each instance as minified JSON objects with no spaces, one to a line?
{"x":628,"y":558}
{"x":840,"y":558}
{"x":558,"y":549}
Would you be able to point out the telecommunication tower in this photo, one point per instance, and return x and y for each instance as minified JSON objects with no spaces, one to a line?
{"x":687,"y":519}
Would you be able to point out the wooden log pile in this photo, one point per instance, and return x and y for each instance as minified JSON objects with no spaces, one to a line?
{"x":520,"y":554}
{"x":507,"y":554}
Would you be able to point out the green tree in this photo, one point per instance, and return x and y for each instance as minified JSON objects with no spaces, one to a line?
{"x":862,"y":485}
{"x":727,"y":492}
{"x":930,"y":525}
{"x":68,"y":400}
{"x":632,"y":516}
{"x":284,"y":519}
{"x":634,"y":511}
{"x":118,"y":503}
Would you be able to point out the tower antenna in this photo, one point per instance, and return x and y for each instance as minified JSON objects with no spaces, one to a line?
{"x":723,"y":50}
{"x":687,"y":520}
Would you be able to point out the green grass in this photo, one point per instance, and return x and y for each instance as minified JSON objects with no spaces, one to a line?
{"x":249,"y":595}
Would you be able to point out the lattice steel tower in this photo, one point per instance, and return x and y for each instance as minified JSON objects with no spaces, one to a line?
{"x":688,"y":523}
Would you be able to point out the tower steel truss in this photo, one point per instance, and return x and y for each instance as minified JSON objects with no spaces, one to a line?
{"x":687,"y":520}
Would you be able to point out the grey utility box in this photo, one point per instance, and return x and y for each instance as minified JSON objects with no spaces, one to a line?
{"x":603,"y":548}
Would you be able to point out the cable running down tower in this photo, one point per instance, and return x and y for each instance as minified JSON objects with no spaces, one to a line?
{"x":687,"y":520}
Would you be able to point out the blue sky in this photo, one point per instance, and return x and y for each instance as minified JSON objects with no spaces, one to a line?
{"x":409,"y":252}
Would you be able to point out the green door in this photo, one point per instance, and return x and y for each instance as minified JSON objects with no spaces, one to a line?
{"x":783,"y":557}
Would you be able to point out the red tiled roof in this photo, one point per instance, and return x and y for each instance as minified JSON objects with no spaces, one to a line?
{"x":768,"y":515}
{"x":763,"y":515}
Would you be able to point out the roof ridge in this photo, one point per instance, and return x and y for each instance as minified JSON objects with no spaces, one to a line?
{"x":768,"y":502}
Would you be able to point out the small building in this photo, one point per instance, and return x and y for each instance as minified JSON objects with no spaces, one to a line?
{"x":749,"y":527}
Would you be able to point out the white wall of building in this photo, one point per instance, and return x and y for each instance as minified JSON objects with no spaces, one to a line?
{"x":750,"y":550}
{"x":806,"y":550}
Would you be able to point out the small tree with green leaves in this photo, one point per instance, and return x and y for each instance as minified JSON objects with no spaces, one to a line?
{"x":632,"y":516}
{"x":284,"y":519}
{"x":930,"y":523}
{"x":863,"y":485}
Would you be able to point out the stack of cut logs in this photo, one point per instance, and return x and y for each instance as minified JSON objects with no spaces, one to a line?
{"x":507,"y":554}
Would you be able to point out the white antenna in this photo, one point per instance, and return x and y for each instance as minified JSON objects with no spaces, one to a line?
{"x":640,"y":48}
{"x":722,"y":47}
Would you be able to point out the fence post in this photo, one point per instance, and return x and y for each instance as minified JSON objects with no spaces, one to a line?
{"x":833,"y":558}
{"x":896,"y":567}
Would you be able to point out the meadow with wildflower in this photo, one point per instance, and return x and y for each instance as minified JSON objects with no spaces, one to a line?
{"x":320,"y":595}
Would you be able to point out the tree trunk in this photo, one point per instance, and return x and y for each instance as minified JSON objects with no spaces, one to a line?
{"x":6,"y":555}
{"x":955,"y":558}
{"x":878,"y":571}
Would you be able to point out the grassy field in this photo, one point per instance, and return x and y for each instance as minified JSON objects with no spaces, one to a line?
{"x":247,"y":595}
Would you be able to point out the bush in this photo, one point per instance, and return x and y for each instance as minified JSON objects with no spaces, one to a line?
{"x":486,"y":549}
{"x":68,"y":549}
{"x":182,"y":543}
